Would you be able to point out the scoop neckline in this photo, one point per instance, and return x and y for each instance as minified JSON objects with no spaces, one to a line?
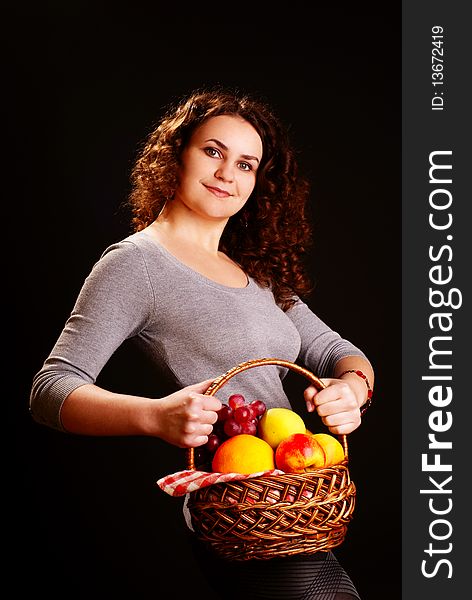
{"x":196,"y":274}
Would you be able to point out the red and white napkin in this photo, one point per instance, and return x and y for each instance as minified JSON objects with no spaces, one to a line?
{"x":184,"y":482}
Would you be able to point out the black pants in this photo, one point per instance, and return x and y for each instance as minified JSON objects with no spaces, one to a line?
{"x":312,"y":577}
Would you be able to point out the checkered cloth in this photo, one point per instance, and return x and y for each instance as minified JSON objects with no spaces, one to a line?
{"x":184,"y":482}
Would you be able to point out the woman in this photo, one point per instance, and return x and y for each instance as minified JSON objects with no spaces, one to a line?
{"x":212,"y":276}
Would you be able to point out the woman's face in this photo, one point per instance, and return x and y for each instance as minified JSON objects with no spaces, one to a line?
{"x":218,"y":167}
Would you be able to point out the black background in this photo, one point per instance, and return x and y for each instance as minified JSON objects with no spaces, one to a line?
{"x":89,"y":80}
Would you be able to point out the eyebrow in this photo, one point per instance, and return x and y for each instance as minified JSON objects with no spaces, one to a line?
{"x":224,"y":147}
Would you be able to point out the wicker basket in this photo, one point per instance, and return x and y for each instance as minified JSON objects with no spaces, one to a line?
{"x":277,"y":515}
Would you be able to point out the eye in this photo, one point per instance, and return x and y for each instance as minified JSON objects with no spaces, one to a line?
{"x":244,"y":166}
{"x":213,"y":152}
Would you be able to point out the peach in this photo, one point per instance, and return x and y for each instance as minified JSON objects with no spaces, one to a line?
{"x":298,"y":453}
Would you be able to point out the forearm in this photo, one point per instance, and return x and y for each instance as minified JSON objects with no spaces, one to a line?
{"x":184,"y":418}
{"x":358,"y":384}
{"x":91,"y":410}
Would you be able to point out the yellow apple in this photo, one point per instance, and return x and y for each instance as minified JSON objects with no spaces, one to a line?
{"x":276,"y":424}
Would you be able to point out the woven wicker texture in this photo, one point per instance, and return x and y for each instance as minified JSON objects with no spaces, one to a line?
{"x":276,"y":515}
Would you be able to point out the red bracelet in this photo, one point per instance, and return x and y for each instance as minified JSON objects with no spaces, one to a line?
{"x":362,"y":375}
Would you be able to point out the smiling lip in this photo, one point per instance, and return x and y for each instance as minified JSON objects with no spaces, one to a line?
{"x":217,"y":191}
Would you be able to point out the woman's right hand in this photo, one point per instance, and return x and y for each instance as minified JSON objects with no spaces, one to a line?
{"x":184,"y":418}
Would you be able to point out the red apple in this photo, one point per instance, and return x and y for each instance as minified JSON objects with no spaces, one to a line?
{"x":298,"y":453}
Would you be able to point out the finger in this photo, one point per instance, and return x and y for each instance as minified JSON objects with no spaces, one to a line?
{"x":340,"y":405}
{"x":205,"y":429}
{"x":328,"y":394}
{"x":311,"y":392}
{"x":308,"y":395}
{"x":343,"y":429}
{"x":337,"y":390}
{"x":199,"y":441}
{"x":205,"y":402}
{"x":203,"y":408}
{"x":339,"y":419}
{"x":208,"y":417}
{"x":201,"y":436}
{"x":200,"y":387}
{"x":211,"y":403}
{"x":196,"y":429}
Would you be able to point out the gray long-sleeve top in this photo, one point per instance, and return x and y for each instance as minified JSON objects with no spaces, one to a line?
{"x":192,"y":328}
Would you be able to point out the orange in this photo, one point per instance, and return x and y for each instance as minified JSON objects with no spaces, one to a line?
{"x":244,"y":454}
{"x":332,"y":447}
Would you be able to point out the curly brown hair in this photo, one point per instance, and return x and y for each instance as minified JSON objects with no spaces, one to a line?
{"x":269,"y":237}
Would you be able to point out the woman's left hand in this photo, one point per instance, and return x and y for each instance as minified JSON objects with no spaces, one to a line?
{"x":336,"y":404}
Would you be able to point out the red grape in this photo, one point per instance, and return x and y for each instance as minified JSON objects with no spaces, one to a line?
{"x":259,"y":407}
{"x":218,"y":428}
{"x":242,"y":414}
{"x":236,"y":400}
{"x":238,"y":416}
{"x":231,"y":427}
{"x":213,"y":442}
{"x":249,"y":427}
{"x":224,"y":412}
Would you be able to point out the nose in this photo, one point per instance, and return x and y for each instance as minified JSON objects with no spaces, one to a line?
{"x":225,"y":172}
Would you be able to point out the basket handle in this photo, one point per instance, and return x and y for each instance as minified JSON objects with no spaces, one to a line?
{"x":259,"y":362}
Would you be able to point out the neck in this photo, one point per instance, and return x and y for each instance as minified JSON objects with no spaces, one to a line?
{"x":181,"y":224}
